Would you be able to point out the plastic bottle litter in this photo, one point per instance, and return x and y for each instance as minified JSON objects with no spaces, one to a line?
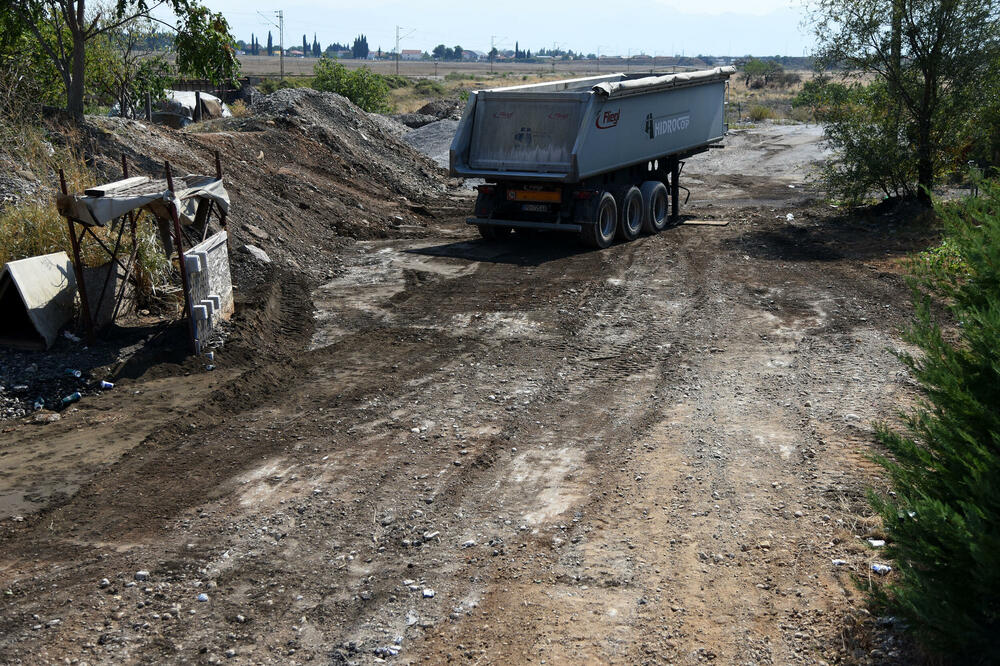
{"x":106,"y":385}
{"x":71,"y":398}
{"x":881,"y":569}
{"x":39,"y":403}
{"x":74,"y":373}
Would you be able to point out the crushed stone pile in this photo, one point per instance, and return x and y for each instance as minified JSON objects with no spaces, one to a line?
{"x":434,"y":140}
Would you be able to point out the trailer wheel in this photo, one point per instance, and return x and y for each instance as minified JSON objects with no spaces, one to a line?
{"x":490,"y":232}
{"x":630,"y":216}
{"x":655,"y":206}
{"x":602,"y":231}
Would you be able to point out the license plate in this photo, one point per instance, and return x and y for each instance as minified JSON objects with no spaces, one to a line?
{"x":535,"y":208}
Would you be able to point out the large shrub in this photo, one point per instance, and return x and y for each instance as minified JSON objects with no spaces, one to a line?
{"x":362,"y":86}
{"x":943,"y":517}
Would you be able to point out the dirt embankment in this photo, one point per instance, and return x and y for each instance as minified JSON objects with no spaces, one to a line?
{"x":499,"y":453}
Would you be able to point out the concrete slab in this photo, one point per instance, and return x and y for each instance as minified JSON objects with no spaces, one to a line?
{"x":36,"y":300}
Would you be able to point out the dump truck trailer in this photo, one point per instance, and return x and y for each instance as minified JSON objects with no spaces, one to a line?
{"x":598,"y":156}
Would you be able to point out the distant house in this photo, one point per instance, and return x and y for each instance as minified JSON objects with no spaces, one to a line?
{"x":345,"y":54}
{"x":469,"y":54}
{"x":294,"y":53}
{"x":411,"y":54}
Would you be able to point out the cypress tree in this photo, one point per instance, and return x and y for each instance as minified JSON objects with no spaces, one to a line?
{"x":270,"y":44}
{"x":942,"y":521}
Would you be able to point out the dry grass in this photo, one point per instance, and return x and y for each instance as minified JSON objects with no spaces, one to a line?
{"x":35,"y":227}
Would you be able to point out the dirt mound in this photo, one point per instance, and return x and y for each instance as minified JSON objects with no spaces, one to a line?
{"x":415,"y":120}
{"x":443,"y":108}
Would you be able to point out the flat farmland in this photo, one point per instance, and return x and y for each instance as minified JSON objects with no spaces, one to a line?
{"x":271,"y":66}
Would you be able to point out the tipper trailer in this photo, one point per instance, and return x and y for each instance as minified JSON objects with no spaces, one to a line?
{"x":598,"y":156}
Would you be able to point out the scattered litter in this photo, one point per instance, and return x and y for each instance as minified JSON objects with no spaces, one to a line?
{"x":71,"y":398}
{"x":210,"y":356}
{"x":428,"y":593}
{"x":881,"y":569}
{"x":39,"y":403}
{"x":105,"y":385}
{"x":74,"y":373}
{"x":790,"y":217}
{"x":839,"y":563}
{"x":142,"y":575}
{"x":210,"y":367}
{"x":202,"y":597}
{"x":791,"y":187}
{"x":876,"y":543}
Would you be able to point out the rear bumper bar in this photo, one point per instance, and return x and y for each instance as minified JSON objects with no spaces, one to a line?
{"x":521,"y":224}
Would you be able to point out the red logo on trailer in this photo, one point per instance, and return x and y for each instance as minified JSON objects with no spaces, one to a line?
{"x":608,"y":119}
{"x":504,"y":115}
{"x":555,"y":115}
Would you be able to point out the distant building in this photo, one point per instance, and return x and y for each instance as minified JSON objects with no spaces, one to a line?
{"x":469,"y":54}
{"x":411,"y":54}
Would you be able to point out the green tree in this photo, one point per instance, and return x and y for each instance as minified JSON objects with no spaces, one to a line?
{"x":942,"y":519}
{"x":270,"y":44}
{"x":205,"y":46}
{"x":457,"y":52}
{"x":439,"y":51}
{"x":121,"y":74}
{"x":932,"y":55}
{"x":360,"y":48}
{"x":362,"y":86}
{"x":63,"y":29}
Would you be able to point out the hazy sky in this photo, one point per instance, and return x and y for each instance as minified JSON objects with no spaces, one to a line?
{"x":656,"y":27}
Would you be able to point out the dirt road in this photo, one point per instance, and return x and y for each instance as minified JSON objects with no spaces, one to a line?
{"x":495,"y":453}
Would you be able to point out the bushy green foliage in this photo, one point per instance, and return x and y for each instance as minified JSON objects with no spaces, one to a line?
{"x":428,"y":87}
{"x":865,"y":128}
{"x":269,"y":85}
{"x":820,"y":96}
{"x":943,"y":518}
{"x":205,"y":47}
{"x":395,"y":81}
{"x":362,"y":86}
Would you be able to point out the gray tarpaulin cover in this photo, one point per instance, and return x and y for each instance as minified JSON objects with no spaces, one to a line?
{"x":649,"y":83}
{"x":100,"y":205}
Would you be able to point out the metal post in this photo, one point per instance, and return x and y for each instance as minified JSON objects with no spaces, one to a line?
{"x":149,"y":107}
{"x":180,"y":255}
{"x":81,"y":284}
{"x":222,"y":213}
{"x":675,"y":189}
{"x":197,"y":106}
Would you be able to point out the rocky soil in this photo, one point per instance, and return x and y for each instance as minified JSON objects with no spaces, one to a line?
{"x":419,"y":446}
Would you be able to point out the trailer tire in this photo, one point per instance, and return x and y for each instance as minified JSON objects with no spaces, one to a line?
{"x":601,"y":232}
{"x":655,"y":207}
{"x":492,"y":233}
{"x":630,"y":214}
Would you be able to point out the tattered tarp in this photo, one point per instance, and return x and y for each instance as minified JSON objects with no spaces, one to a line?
{"x":100,"y":205}
{"x":652,"y":83}
{"x":183,"y":102}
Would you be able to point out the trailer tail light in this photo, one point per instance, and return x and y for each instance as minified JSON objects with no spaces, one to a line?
{"x":487,"y":189}
{"x":584,"y":194}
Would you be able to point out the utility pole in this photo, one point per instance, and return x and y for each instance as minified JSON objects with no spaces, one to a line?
{"x":280,"y":25}
{"x":493,"y":39}
{"x":398,"y":28}
{"x":281,"y":41}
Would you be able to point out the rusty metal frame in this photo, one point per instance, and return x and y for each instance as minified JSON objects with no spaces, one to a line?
{"x":132,"y":218}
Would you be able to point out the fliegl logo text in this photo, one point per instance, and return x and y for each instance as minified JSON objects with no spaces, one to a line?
{"x":608,"y":119}
{"x":666,"y":124}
